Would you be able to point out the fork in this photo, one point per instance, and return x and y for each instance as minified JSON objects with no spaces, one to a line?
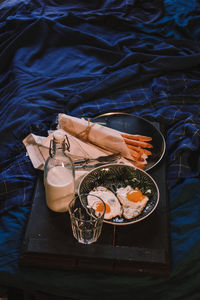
{"x":107,"y":158}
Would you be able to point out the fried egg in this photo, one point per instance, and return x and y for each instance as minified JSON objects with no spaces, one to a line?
{"x":113,"y":207}
{"x":132,"y":200}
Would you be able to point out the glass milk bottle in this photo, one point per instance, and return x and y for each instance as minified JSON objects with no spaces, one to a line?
{"x":59,"y":178}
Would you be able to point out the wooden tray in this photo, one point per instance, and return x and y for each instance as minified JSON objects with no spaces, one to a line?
{"x":138,"y":248}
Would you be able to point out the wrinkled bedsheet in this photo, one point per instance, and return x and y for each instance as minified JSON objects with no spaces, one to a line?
{"x":85,"y":58}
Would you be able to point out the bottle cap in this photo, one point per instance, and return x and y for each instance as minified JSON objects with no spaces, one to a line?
{"x":59,"y":136}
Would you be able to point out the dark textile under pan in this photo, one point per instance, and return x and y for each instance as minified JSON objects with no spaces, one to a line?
{"x":84,"y":58}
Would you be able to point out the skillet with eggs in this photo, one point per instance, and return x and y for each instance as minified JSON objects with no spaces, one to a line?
{"x":130,"y":194}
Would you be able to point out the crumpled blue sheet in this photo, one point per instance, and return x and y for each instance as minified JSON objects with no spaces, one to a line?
{"x":85,"y":58}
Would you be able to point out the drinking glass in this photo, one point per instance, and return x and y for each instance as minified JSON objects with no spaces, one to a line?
{"x":86,"y":220}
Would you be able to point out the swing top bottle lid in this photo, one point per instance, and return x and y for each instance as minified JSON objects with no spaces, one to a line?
{"x":59,"y":136}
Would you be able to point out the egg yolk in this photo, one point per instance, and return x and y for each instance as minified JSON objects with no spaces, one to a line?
{"x":135,"y":196}
{"x":100,"y":207}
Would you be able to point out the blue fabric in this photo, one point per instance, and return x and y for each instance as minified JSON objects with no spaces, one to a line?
{"x":84,"y":58}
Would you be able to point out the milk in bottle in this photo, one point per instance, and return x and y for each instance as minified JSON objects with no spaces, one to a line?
{"x":59,"y":178}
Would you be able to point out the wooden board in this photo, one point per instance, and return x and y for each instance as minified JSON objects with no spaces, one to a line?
{"x":141,"y":248}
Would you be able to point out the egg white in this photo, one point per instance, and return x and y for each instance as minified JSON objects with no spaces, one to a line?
{"x":109,"y":198}
{"x":130,"y":209}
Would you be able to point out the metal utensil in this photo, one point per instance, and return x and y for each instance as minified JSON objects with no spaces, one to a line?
{"x":92,"y":166}
{"x":101,"y":159}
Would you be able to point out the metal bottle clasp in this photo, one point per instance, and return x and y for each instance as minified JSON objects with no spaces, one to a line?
{"x":65,"y":146}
